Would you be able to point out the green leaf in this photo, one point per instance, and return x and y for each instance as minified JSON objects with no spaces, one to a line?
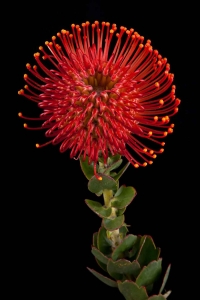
{"x":126,"y":245}
{"x":87,"y":169}
{"x":98,"y":208}
{"x":165,"y":279}
{"x":158,"y":297}
{"x":123,"y":231}
{"x":122,"y":267}
{"x":99,"y":193}
{"x":119,"y":190}
{"x":113,"y":224}
{"x":149,"y":274}
{"x":101,"y":265}
{"x":131,"y":291}
{"x":104,"y":279}
{"x":94,"y":239}
{"x":100,"y":256}
{"x":107,"y":182}
{"x":102,"y":243}
{"x":123,"y":197}
{"x":135,"y":249}
{"x":113,"y":159}
{"x":121,"y":172}
{"x":113,"y":174}
{"x":121,"y":211}
{"x":113,"y":166}
{"x":149,"y":288}
{"x":148,"y":251}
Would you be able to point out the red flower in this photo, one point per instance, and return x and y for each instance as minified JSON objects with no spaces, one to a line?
{"x":97,"y":100}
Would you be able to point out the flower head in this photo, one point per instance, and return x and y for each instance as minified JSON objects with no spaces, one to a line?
{"x":105,"y":92}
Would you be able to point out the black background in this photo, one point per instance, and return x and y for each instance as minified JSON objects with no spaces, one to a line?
{"x":51,"y":227}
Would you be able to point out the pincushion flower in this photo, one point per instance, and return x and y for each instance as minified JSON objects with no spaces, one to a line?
{"x":102,"y":92}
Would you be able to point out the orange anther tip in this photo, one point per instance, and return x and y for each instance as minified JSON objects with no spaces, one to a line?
{"x":157,"y":84}
{"x":37,"y":145}
{"x":25,"y":76}
{"x":19,"y":114}
{"x":161,"y":150}
{"x":63,"y":31}
{"x":53,"y":37}
{"x":172,"y":125}
{"x":107,"y":24}
{"x":165,"y":133}
{"x":141,"y":45}
{"x":144,"y":164}
{"x":21,"y":92}
{"x":170,"y":130}
{"x":150,"y":133}
{"x":136,"y":165}
{"x":40,"y":48}
{"x":150,"y":162}
{"x":46,"y":43}
{"x":156,"y":118}
{"x":163,"y":119}
{"x":100,"y":178}
{"x":28,"y":66}
{"x":161,"y":101}
{"x":72,"y":25}
{"x":145,"y":150}
{"x":163,"y":144}
{"x":154,"y":156}
{"x":151,"y":151}
{"x":26,"y":87}
{"x":176,"y":109}
{"x":111,"y":31}
{"x":25,"y":125}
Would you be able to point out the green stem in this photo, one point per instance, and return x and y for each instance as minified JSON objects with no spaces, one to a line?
{"x":107,"y":195}
{"x":113,"y":236}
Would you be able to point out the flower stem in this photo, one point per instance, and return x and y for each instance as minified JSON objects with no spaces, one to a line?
{"x":113,"y":236}
{"x":107,"y":195}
